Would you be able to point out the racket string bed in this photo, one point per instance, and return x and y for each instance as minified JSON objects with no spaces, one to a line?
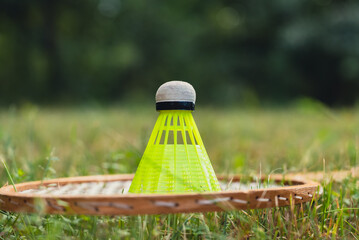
{"x":121,"y":187}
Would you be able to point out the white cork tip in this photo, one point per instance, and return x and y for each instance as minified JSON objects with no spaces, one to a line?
{"x":176,"y":91}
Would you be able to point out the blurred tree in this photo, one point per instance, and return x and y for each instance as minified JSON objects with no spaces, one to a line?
{"x":246,"y":51}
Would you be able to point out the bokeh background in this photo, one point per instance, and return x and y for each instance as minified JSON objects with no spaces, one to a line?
{"x":236,"y":52}
{"x":277,"y":84}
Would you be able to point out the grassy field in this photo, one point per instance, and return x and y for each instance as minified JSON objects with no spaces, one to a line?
{"x":43,"y":143}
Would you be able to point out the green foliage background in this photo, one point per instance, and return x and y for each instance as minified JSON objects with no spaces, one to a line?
{"x":234,"y":51}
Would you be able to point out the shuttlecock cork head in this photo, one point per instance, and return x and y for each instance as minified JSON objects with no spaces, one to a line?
{"x":175,"y":95}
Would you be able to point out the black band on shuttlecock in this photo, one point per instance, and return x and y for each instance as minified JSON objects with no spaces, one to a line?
{"x":174,"y":106}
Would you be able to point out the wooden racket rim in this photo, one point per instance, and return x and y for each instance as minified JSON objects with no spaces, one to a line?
{"x":134,"y":204}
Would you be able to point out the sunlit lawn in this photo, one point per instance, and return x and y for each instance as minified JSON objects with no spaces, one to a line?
{"x":40,"y":143}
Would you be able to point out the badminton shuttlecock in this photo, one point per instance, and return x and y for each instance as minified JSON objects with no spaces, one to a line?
{"x":175,"y":159}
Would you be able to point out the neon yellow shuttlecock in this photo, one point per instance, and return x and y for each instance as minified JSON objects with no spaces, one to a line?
{"x":175,"y":159}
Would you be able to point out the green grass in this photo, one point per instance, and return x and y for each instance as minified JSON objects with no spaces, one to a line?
{"x":40,"y":143}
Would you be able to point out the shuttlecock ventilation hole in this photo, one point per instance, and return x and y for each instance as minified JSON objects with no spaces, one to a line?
{"x":176,"y":130}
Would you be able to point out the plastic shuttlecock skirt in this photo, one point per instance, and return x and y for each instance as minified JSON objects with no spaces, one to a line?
{"x":175,"y":159}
